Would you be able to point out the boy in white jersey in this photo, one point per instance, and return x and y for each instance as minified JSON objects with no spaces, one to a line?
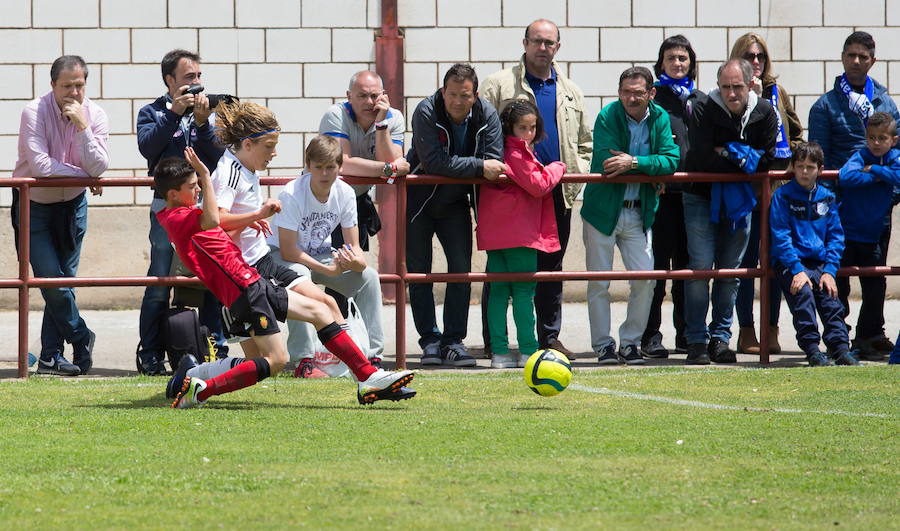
{"x":312,"y":206}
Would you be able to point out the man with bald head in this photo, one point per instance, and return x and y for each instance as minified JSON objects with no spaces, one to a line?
{"x":732,"y":131}
{"x":539,"y":79}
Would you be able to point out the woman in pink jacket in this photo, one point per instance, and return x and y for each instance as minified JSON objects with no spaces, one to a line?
{"x":515,"y":220}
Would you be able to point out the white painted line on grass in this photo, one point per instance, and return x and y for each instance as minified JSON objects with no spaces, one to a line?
{"x":706,"y":405}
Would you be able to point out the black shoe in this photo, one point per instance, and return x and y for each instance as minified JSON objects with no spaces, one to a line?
{"x":82,"y":356}
{"x":607,"y":355}
{"x":681,"y":344}
{"x":696,"y":354}
{"x":881,"y":344}
{"x":151,"y":367}
{"x":630,"y":355}
{"x":57,"y":365}
{"x":845,"y":358}
{"x":186,"y":363}
{"x":456,"y":354}
{"x":653,"y":348}
{"x":720,"y":353}
{"x":817,"y":359}
{"x":431,"y":354}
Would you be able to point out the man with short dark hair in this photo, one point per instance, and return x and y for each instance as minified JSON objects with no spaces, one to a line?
{"x":539,"y":79}
{"x":176,"y":120}
{"x":455,"y":134}
{"x":631,"y":135}
{"x":732,"y":131}
{"x":62,"y":134}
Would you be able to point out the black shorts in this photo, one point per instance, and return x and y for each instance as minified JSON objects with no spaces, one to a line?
{"x":258,"y":310}
{"x":281,"y":275}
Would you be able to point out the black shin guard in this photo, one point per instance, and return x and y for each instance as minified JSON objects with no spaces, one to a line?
{"x":263,"y":370}
{"x":327,"y":333}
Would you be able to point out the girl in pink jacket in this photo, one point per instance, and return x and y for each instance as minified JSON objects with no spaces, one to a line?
{"x":515,"y":220}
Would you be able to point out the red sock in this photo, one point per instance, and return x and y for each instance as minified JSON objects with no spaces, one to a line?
{"x":243,"y":375}
{"x":342,"y":346}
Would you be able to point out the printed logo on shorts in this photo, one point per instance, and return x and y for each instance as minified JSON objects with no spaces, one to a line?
{"x":263,"y":322}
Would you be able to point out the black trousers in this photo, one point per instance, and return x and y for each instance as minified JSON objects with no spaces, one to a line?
{"x":669,"y":252}
{"x":870,"y":321}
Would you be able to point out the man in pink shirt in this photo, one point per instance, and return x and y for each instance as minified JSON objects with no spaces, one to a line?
{"x":62,"y":134}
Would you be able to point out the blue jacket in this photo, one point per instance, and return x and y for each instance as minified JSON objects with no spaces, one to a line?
{"x":866,"y":197}
{"x":805,"y":225}
{"x":159,"y":136}
{"x":840,"y":131}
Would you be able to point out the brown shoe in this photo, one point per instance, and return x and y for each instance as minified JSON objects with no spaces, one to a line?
{"x":559,"y":347}
{"x":747,"y":342}
{"x":774,"y":345}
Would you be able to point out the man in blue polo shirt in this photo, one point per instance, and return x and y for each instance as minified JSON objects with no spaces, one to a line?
{"x":538,"y":78}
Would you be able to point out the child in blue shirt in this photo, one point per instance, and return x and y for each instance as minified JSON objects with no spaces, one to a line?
{"x":807,"y":242}
{"x":866,"y":183}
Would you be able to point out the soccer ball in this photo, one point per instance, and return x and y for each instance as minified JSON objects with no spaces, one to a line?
{"x":548,"y":372}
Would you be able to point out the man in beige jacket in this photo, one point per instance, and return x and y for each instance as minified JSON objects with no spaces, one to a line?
{"x":539,"y":79}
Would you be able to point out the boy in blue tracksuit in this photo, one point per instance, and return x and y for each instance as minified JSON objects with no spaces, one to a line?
{"x":867,"y":183}
{"x":807,"y":242}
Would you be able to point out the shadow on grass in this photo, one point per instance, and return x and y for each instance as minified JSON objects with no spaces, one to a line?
{"x":159,"y":401}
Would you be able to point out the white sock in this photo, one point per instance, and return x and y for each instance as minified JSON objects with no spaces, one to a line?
{"x":209,"y":370}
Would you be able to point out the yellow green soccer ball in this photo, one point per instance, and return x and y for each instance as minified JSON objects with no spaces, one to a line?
{"x":548,"y":372}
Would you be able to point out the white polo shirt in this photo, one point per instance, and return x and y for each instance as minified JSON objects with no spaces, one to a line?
{"x":237,"y":191}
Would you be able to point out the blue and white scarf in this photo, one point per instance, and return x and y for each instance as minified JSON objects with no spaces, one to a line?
{"x":782,"y":146}
{"x":681,"y":87}
{"x":861,"y":104}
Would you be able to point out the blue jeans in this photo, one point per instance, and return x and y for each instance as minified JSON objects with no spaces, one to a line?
{"x":51,"y":259}
{"x":454,"y":231}
{"x":156,"y":298}
{"x":710,"y":244}
{"x":744,"y":302}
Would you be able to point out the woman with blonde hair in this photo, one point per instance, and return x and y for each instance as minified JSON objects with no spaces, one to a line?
{"x":753,"y":48}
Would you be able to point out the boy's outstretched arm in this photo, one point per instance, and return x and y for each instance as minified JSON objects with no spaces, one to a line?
{"x":210,"y":212}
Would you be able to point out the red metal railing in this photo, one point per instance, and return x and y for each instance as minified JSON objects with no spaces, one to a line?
{"x":401,"y":278}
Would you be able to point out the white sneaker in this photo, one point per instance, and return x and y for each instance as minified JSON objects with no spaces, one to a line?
{"x":187,"y":397}
{"x":523,"y":359}
{"x":383,"y":385}
{"x":503,"y":361}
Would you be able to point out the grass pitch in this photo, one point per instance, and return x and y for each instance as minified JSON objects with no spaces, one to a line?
{"x":755,"y":448}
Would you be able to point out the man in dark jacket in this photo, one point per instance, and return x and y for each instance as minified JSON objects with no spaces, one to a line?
{"x":455,"y":134}
{"x":165,"y":127}
{"x":731,"y":131}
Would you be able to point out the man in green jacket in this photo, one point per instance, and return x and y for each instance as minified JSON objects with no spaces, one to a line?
{"x":631,"y":136}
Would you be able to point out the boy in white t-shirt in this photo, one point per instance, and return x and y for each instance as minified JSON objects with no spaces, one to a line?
{"x":312,"y":206}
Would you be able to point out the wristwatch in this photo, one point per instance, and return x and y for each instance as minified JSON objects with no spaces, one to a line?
{"x":381,"y":126}
{"x":388,"y":170}
{"x":634,"y":163}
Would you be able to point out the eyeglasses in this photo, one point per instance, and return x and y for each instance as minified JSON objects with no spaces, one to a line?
{"x":639,"y":94}
{"x":761,"y":57}
{"x":539,"y":42}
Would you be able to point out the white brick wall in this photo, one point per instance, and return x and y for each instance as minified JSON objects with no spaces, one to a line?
{"x":15,"y":13}
{"x":99,"y":45}
{"x":297,"y":45}
{"x":459,"y":12}
{"x":212,"y":13}
{"x":232,"y":45}
{"x":30,"y":45}
{"x":64,"y":13}
{"x":267,"y":13}
{"x":119,"y":14}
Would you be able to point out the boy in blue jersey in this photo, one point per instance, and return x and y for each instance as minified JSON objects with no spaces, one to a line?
{"x":807,"y":243}
{"x":867,"y":183}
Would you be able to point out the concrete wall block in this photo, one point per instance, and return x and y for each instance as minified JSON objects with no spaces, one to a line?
{"x":411,"y":104}
{"x":437,"y":44}
{"x":630,"y":44}
{"x":119,"y":14}
{"x":114,"y":195}
{"x":267,"y":13}
{"x":459,"y":13}
{"x":893,"y":12}
{"x":9,"y":152}
{"x":15,"y":14}
{"x":856,"y":13}
{"x":598,"y":14}
{"x":421,"y":79}
{"x":232,"y":45}
{"x":131,"y":81}
{"x":329,"y":80}
{"x":65,"y":13}
{"x":206,"y":13}
{"x":777,"y":39}
{"x":801,"y":78}
{"x":120,"y":115}
{"x":124,"y":154}
{"x":41,"y":77}
{"x":592,"y":107}
{"x":706,"y":75}
{"x":16,"y":81}
{"x":30,"y":45}
{"x":298,"y":45}
{"x":887,"y":42}
{"x":598,"y":79}
{"x":10,"y":115}
{"x":709,"y":43}
{"x":290,"y":152}
{"x":98,"y":45}
{"x":150,"y":45}
{"x":802,"y":104}
{"x":717,"y":13}
{"x":581,"y":44}
{"x":893,"y":74}
{"x":334,"y":13}
{"x":793,"y":13}
{"x":353,"y":45}
{"x":269,"y":80}
{"x":492,"y":44}
{"x":818,"y":43}
{"x":664,"y":13}
{"x":879,"y":72}
{"x":523,"y":12}
{"x":299,"y":115}
{"x":415,"y":13}
{"x":219,"y":78}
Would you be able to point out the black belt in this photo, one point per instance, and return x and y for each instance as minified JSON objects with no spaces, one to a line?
{"x":631,"y":203}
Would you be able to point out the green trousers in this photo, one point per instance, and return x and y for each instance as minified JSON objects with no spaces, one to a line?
{"x":516,"y":260}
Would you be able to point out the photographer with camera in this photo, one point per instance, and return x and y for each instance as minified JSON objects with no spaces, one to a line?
{"x":178,"y":119}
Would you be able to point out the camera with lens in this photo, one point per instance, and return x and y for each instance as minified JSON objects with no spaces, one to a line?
{"x":214,"y":99}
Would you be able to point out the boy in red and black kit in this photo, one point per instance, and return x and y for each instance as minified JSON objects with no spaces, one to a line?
{"x":254,"y":304}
